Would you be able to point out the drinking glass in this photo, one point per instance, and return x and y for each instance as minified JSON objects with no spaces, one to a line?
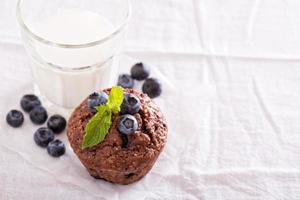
{"x":65,"y":71}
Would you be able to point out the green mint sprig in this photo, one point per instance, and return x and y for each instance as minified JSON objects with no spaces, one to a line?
{"x":98,"y":126}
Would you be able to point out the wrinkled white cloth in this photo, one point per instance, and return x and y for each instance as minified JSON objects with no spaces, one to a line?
{"x":231,"y":96}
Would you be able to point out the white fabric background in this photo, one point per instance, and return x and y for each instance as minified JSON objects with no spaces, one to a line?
{"x":231,"y":97}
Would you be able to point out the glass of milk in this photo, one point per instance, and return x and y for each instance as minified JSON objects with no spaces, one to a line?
{"x":74,"y":45}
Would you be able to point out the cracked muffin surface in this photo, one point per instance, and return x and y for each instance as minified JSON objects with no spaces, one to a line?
{"x":113,"y":160}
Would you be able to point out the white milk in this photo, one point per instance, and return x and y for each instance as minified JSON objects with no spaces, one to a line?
{"x":68,"y":87}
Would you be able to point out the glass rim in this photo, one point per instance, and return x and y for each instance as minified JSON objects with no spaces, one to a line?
{"x":116,"y":30}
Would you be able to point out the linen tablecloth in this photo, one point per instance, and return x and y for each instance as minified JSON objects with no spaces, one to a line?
{"x":231,"y":95}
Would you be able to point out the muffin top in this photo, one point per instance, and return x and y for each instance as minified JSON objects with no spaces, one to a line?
{"x":115,"y":152}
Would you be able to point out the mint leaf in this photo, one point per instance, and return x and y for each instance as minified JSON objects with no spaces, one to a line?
{"x":98,"y":126}
{"x":115,"y":99}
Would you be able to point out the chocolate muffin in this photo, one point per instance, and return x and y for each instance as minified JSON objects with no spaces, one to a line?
{"x":120,"y":159}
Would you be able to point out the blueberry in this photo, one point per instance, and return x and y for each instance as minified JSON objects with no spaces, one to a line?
{"x":125,"y":81}
{"x":43,"y":136}
{"x":152,"y":87}
{"x":140,"y":71}
{"x":38,"y":115}
{"x":127,"y":124}
{"x":29,"y":101}
{"x":57,"y":123}
{"x":96,"y":99}
{"x":131,"y":104}
{"x":15,"y":118}
{"x":56,"y":148}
